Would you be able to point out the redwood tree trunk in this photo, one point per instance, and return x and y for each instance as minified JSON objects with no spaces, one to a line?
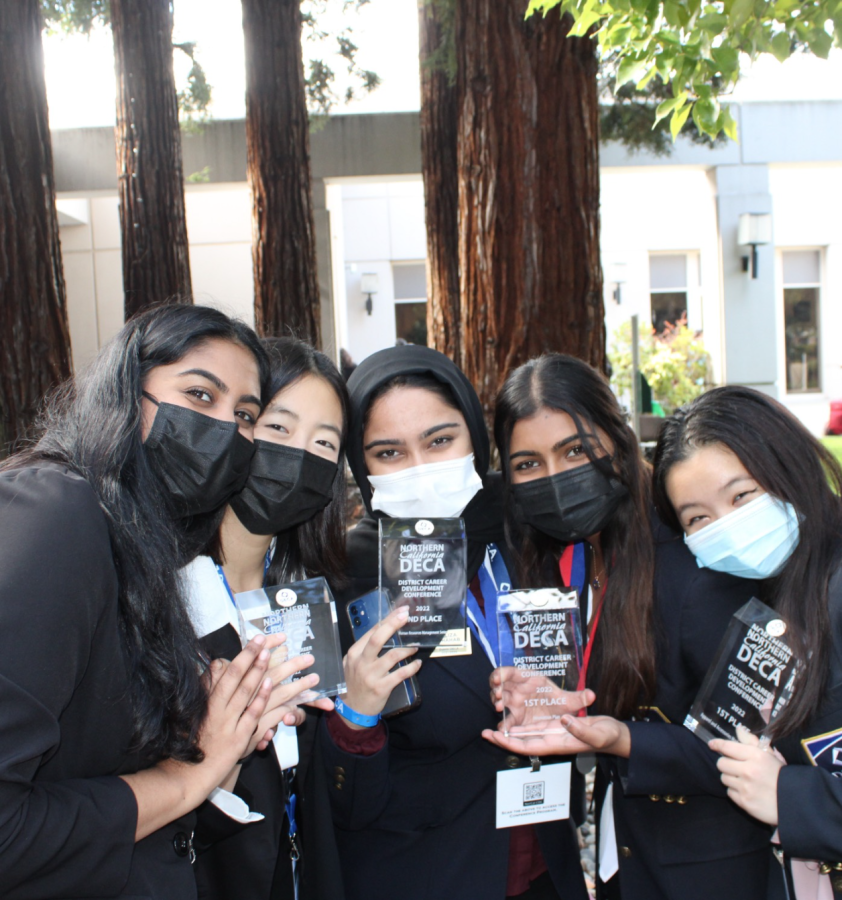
{"x":528,"y":158}
{"x":156,"y":264}
{"x":34,"y":337}
{"x":441,"y":182}
{"x":286,"y":291}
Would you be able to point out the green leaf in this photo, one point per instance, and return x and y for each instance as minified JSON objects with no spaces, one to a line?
{"x":728,"y":124}
{"x":631,"y":68}
{"x":706,"y":115}
{"x":781,"y":46}
{"x":727,"y":60}
{"x":713,"y":23}
{"x":820,"y":44}
{"x":679,"y":117}
{"x":668,"y":106}
{"x":740,"y":11}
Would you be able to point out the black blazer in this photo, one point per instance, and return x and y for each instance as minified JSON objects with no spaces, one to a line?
{"x":67,"y":822}
{"x":251,"y":861}
{"x":679,"y":836}
{"x":417,"y":819}
{"x":810,"y":796}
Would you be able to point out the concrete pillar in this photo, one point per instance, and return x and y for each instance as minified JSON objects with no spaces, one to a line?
{"x":751,"y":329}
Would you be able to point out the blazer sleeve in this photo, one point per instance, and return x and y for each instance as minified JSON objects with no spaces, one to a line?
{"x":358,"y":785}
{"x":810,"y":813}
{"x":695,"y":607}
{"x":70,"y":838}
{"x":669,"y":759}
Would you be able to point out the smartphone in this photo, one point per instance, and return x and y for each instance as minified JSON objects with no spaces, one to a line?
{"x":364,"y":613}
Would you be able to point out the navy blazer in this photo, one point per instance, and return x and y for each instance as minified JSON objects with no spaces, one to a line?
{"x":810,"y":796}
{"x":67,"y":822}
{"x":679,"y":836}
{"x":417,"y":819}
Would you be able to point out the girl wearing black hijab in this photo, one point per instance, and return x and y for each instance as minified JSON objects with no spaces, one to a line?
{"x":414,"y":802}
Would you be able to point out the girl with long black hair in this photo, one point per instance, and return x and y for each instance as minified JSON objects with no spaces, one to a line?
{"x":111,"y":735}
{"x":414,"y":802}
{"x":758,"y":496}
{"x":287,"y":524}
{"x":574,"y":472}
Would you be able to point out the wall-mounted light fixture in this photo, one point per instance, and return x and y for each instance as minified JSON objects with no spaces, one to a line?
{"x":617,"y":275}
{"x":754,"y":230}
{"x":370,"y":284}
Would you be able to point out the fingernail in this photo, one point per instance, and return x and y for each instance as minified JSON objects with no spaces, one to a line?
{"x":403,"y":612}
{"x":263,"y":655}
{"x":267,"y":683}
{"x":259,"y":639}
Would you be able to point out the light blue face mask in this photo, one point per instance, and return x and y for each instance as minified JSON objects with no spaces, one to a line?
{"x":754,"y":541}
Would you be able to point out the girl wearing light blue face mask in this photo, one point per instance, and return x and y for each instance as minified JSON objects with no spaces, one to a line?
{"x":757,"y":496}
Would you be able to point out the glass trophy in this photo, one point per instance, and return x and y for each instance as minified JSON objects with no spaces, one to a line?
{"x":423,"y":565}
{"x":751,"y":678}
{"x":540,"y":653}
{"x":306,"y":613}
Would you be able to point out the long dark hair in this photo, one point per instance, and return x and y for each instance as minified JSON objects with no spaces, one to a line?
{"x":789,"y":463}
{"x":624,"y":654}
{"x":316,"y":547}
{"x":93,"y":426}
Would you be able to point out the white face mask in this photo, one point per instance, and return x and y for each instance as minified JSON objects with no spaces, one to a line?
{"x":438,"y":490}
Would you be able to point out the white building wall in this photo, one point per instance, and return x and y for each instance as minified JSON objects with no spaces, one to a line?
{"x":382,"y":223}
{"x":656,"y":210}
{"x":219,"y":230}
{"x":807,"y":199}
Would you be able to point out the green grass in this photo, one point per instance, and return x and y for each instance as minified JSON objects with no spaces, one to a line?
{"x":834,"y":444}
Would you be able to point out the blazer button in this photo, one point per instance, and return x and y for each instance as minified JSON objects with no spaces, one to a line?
{"x":669,"y":799}
{"x":339,"y":770}
{"x":654,"y":797}
{"x":681,"y":800}
{"x":512,"y":762}
{"x":625,"y":852}
{"x":181,"y":844}
{"x":338,"y":785}
{"x":340,"y":779}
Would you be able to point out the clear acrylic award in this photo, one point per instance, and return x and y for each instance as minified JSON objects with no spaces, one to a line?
{"x":540,"y":653}
{"x":306,"y":613}
{"x":423,"y":565}
{"x":751,"y":678}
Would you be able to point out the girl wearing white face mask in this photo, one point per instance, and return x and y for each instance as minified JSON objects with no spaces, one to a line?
{"x":757,"y":496}
{"x":414,"y":802}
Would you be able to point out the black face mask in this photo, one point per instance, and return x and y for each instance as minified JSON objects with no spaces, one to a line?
{"x":570,"y":506}
{"x":200,"y":460}
{"x":286,"y":486}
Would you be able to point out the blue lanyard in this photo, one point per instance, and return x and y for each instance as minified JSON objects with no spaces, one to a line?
{"x":221,"y":573}
{"x":293,"y":828}
{"x":484,"y":624}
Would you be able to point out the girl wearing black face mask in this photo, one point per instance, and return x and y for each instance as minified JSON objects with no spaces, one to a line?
{"x":574,"y":472}
{"x":286,"y":524}
{"x":111,"y":736}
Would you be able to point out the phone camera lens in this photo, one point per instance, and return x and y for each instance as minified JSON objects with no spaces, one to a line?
{"x":357,"y":621}
{"x":353,"y":610}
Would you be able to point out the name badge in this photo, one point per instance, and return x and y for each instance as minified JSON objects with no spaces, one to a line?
{"x":525,"y":797}
{"x":825,"y":751}
{"x":457,"y":642}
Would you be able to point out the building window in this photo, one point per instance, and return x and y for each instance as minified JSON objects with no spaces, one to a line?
{"x":802,"y":284}
{"x":411,"y":302}
{"x":667,"y":289}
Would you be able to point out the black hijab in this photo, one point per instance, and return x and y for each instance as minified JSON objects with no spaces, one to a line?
{"x":483,"y":515}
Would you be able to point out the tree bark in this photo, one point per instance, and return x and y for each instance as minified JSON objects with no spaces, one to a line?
{"x":441,"y":182}
{"x":156,"y":263}
{"x":34,"y":335}
{"x":286,"y":291}
{"x":528,"y":157}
